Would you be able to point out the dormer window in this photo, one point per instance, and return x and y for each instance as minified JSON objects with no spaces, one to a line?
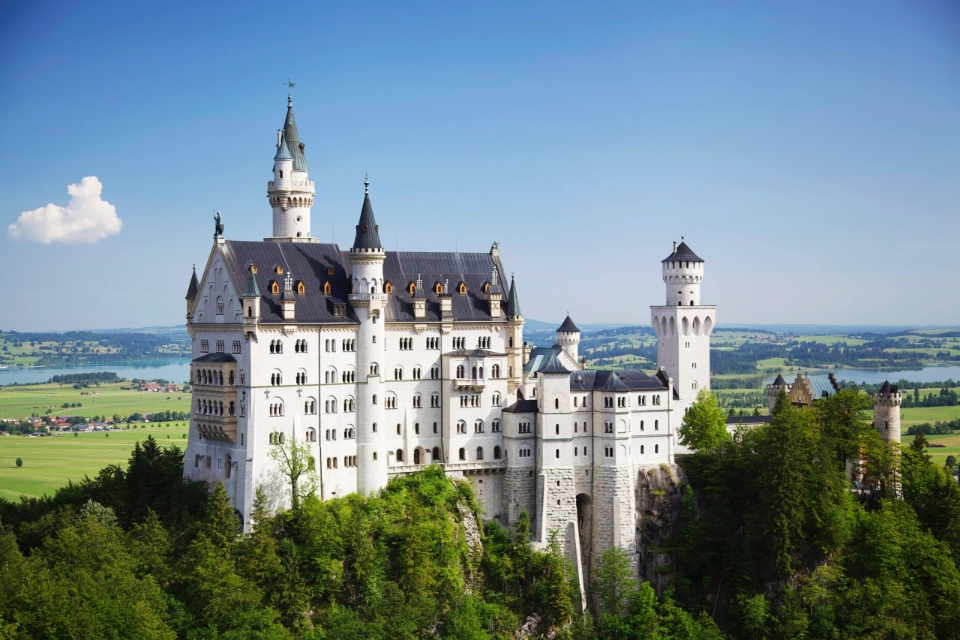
{"x":278,"y":270}
{"x":363,"y":228}
{"x":462,"y":288}
{"x":300,"y":288}
{"x":274,"y":287}
{"x":486,"y":287}
{"x":327,"y":289}
{"x":412,"y":287}
{"x":329,"y":271}
{"x":387,"y":287}
{"x":253,"y":268}
{"x":438,"y":288}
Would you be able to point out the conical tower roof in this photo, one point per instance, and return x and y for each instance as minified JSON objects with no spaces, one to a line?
{"x":283,"y":153}
{"x":368,"y":233}
{"x":292,"y":137}
{"x":251,"y":290}
{"x":568,"y":326}
{"x":194,"y":287}
{"x":779,"y":382}
{"x":513,"y":301}
{"x":683,"y":253}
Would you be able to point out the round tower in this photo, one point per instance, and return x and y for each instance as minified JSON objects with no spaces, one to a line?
{"x":568,"y":337}
{"x":773,"y":390}
{"x":886,"y":412}
{"x":291,"y":192}
{"x":682,"y":273}
{"x":368,"y":301}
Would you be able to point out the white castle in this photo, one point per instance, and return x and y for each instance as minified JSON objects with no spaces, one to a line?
{"x":383,"y":362}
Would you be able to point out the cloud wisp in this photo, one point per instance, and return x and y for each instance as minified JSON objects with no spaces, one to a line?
{"x":86,"y":219}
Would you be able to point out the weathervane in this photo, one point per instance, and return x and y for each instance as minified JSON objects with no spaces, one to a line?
{"x":290,"y":85}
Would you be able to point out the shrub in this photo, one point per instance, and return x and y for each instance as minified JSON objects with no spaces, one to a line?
{"x":19,"y":462}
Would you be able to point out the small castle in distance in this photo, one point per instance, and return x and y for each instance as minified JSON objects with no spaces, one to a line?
{"x":383,"y":362}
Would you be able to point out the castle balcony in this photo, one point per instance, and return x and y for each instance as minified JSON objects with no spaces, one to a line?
{"x":469,"y":384}
{"x":367,"y":297}
{"x":219,"y":428}
{"x":491,"y":466}
{"x":295,"y":185}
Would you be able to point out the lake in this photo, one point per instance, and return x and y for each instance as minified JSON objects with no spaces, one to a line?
{"x":874,"y":376}
{"x":172,"y":370}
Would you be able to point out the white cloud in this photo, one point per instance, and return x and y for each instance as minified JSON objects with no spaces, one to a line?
{"x":86,"y":218}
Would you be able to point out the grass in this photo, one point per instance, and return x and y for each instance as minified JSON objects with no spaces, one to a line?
{"x":939,"y":456}
{"x":49,"y":462}
{"x":919,"y":415}
{"x":23,"y":401}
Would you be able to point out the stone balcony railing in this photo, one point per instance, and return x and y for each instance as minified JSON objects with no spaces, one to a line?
{"x":470,"y":384}
{"x":485,"y":466}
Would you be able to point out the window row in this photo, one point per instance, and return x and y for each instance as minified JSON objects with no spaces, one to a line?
{"x":276,"y":346}
{"x":214,"y":408}
{"x":348,"y":434}
{"x":210,"y":376}
{"x":300,"y":346}
{"x":225,"y":464}
{"x":478,"y":426}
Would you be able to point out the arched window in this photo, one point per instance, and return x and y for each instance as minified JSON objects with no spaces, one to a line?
{"x":438,"y":288}
{"x":274,"y":287}
{"x":412,"y":287}
{"x":496,"y":453}
{"x":463,"y":453}
{"x":416,"y":456}
{"x":229,"y":465}
{"x":435,"y":455}
{"x":399,"y":455}
{"x":462,"y":288}
{"x":387,"y":287}
{"x":479,"y":453}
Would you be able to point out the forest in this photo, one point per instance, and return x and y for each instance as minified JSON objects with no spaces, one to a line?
{"x":770,"y":541}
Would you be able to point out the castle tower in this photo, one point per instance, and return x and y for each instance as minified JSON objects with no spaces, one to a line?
{"x":568,"y":337}
{"x":773,"y":390}
{"x":886,"y":412}
{"x":556,"y":486}
{"x":291,"y":192}
{"x":514,"y":341}
{"x":683,"y":326}
{"x":368,"y":301}
{"x":192,"y":290}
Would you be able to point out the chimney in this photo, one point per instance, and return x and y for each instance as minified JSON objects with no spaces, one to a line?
{"x":419,"y":301}
{"x":446,"y":302}
{"x":674,"y":244}
{"x":287,"y":300}
{"x":494,"y":295}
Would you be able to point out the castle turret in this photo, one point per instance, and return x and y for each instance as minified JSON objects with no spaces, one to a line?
{"x":192,"y":290}
{"x":368,"y":301}
{"x":515,"y":359}
{"x":683,"y":326}
{"x":291,"y":192}
{"x":886,"y":412}
{"x":568,"y":337}
{"x":773,"y":390}
{"x":251,"y":298}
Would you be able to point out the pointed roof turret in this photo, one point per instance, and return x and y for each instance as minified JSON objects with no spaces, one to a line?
{"x":283,"y":153}
{"x":194,"y":287}
{"x":251,"y":290}
{"x":568,"y":326}
{"x":683,"y":253}
{"x":513,"y":301}
{"x":887,"y":388}
{"x":779,"y":382}
{"x":368,"y":233}
{"x":292,"y":138}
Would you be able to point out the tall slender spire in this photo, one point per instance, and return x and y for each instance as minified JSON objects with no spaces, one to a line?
{"x":292,"y":137}
{"x":194,"y":287}
{"x":513,"y":301}
{"x":368,"y":233}
{"x":251,"y":290}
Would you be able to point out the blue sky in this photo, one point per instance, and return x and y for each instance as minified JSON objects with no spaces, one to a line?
{"x":810,"y":153}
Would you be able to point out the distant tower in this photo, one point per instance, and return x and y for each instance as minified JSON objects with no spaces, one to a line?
{"x":290,"y":192}
{"x":886,"y":412}
{"x":773,"y":390}
{"x":368,"y":302}
{"x":683,"y":326}
{"x":568,"y":337}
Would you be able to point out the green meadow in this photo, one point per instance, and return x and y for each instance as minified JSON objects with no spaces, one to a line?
{"x":103,"y":400}
{"x":50,"y":461}
{"x":939,"y":455}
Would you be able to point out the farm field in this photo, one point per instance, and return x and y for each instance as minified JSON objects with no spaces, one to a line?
{"x":938,"y":455}
{"x":23,"y":401}
{"x":49,"y":462}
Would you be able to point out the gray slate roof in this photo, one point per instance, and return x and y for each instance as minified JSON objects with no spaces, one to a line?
{"x":552,"y":364}
{"x":683,"y":253}
{"x":194,"y":287}
{"x":513,"y":301}
{"x":474,"y":353}
{"x":619,"y":380}
{"x":292,"y":137}
{"x":309,"y":263}
{"x":568,"y":326}
{"x":283,"y":152}
{"x":368,"y":233}
{"x":522,"y":406}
